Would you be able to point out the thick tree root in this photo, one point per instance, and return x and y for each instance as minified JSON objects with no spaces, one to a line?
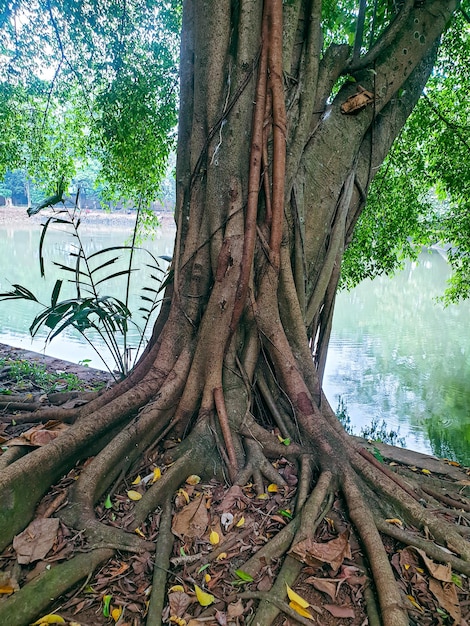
{"x":161,"y":567}
{"x":24,"y":606}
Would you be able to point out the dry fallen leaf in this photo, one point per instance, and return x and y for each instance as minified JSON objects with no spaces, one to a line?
{"x":179,"y":602}
{"x":446,"y":594}
{"x":357,"y":102}
{"x":192,"y":520}
{"x":36,"y":540}
{"x":331,"y":552}
{"x":340,"y":611}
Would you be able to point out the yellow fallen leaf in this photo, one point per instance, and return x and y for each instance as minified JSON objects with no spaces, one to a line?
{"x":137,"y":480}
{"x":301,"y":611}
{"x":157,"y":474}
{"x":175,"y":588}
{"x":222,"y":555}
{"x":7,"y":589}
{"x":182,"y":492}
{"x":134,"y":495}
{"x":194,"y":479}
{"x":214,"y":538}
{"x":273,"y":488}
{"x":240,"y":522}
{"x":262,"y":496}
{"x":140,"y":533}
{"x":174,"y":619}
{"x":396,"y":521}
{"x":116,"y":613}
{"x":207,"y":578}
{"x":294,"y":597}
{"x":49,"y":619}
{"x":203,"y":598}
{"x":415,"y":604}
{"x":454,"y":463}
{"x":426,"y":471}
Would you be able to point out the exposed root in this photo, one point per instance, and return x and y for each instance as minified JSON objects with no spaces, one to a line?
{"x":24,"y":606}
{"x":161,"y":566}
{"x":391,"y":606}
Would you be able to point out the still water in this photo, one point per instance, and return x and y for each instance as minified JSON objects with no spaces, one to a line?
{"x":395,"y":353}
{"x":19,"y":264}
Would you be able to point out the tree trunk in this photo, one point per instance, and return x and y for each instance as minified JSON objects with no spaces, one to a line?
{"x":279,"y":140}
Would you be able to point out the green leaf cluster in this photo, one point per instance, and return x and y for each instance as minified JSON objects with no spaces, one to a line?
{"x":81,"y":81}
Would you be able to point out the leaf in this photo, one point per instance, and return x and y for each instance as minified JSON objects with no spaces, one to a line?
{"x":106,"y":603}
{"x":294,"y":597}
{"x":244,"y":576}
{"x":107,"y":503}
{"x":395,"y":521}
{"x":139,"y":532}
{"x":51,"y":618}
{"x":240,"y":522}
{"x":204,"y":599}
{"x":179,"y":601}
{"x":415,"y":604}
{"x":192,"y":520}
{"x":176,"y":588}
{"x":194,"y":479}
{"x":36,"y":540}
{"x":273,"y":488}
{"x":300,"y":610}
{"x":137,"y":481}
{"x":340,"y":611}
{"x":134,"y":495}
{"x":446,"y":595}
{"x":331,"y":552}
{"x":157,"y":474}
{"x":116,"y":613}
{"x":325,"y":586}
{"x":214,"y":537}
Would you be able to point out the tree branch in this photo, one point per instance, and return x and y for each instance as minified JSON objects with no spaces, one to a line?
{"x":384,"y":41}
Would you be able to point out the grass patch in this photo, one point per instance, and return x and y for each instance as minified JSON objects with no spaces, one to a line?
{"x":23,"y":375}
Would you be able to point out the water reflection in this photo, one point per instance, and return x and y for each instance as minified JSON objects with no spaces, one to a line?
{"x":398,"y":355}
{"x":395,"y":353}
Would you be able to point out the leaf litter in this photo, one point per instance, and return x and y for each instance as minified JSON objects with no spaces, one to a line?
{"x":217,"y":529}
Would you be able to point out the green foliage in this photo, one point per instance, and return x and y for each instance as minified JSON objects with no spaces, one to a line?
{"x":89,"y":309}
{"x":82,"y":80}
{"x":421,"y":195}
{"x":25,"y":373}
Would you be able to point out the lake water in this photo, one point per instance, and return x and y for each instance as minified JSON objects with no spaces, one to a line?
{"x":395,"y":353}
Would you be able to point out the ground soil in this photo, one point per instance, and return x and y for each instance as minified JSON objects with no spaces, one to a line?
{"x":127,"y":578}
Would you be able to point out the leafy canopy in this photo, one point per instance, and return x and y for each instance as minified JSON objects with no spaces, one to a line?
{"x":86,"y":80}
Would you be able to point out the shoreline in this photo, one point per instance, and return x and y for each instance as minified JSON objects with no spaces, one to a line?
{"x":17,"y":216}
{"x":87,"y":374}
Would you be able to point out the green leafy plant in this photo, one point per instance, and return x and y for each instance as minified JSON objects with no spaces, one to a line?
{"x":24,"y":373}
{"x":90,"y":309}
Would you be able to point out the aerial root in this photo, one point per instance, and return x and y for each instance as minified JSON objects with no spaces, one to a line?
{"x":311,"y":515}
{"x":391,"y":606}
{"x":161,"y":566}
{"x":257,"y":466}
{"x":32,"y":600}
